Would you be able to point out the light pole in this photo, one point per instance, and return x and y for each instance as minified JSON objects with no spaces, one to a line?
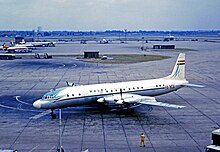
{"x":126,"y":35}
{"x":60,"y":132}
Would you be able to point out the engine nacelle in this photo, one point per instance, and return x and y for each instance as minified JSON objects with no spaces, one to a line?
{"x":101,"y":100}
{"x":120,"y":99}
{"x":120,"y":102}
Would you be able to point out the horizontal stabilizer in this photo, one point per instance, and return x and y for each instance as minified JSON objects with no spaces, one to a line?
{"x":193,"y":85}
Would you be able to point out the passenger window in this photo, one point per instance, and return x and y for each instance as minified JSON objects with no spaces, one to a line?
{"x":79,"y":94}
{"x":67,"y":95}
{"x":73,"y":95}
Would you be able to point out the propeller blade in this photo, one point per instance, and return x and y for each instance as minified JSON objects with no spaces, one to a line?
{"x":121,"y":94}
{"x":70,"y":84}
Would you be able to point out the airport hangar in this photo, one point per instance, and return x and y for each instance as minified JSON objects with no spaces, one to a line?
{"x":27,"y":129}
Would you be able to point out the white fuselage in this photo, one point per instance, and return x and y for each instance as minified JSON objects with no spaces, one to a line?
{"x":86,"y":94}
{"x":127,"y":94}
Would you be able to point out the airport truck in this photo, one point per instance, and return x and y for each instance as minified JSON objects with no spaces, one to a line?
{"x":215,"y":147}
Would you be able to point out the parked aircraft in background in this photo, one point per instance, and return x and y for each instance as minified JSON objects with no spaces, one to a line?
{"x":42,"y":44}
{"x":29,"y":46}
{"x":25,"y":46}
{"x":38,"y":44}
{"x":122,"y":94}
{"x":104,"y":41}
{"x":16,"y":48}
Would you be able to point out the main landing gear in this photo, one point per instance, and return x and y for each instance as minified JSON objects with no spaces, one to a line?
{"x":53,"y":115}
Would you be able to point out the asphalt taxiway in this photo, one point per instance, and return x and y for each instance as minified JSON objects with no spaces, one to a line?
{"x":25,"y":128}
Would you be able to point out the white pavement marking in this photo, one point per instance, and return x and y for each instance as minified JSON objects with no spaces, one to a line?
{"x":62,"y":65}
{"x":17,"y":98}
{"x":82,"y":49}
{"x":74,"y":65}
{"x":3,"y":106}
{"x":41,"y":114}
{"x":33,"y":148}
{"x":17,"y":108}
{"x":52,"y":148}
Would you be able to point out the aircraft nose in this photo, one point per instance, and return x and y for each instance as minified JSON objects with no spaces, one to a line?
{"x":37,"y":104}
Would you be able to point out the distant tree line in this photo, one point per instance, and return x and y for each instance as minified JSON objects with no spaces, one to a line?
{"x":107,"y":33}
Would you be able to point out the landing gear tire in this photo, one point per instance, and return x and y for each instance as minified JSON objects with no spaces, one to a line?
{"x":53,"y":115}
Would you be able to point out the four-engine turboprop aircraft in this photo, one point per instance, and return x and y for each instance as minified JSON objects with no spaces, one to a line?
{"x":124,"y":94}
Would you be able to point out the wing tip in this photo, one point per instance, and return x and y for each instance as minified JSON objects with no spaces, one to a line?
{"x":181,"y":107}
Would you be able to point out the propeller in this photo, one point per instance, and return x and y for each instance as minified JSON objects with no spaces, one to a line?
{"x":121,"y":94}
{"x":121,"y":101}
{"x":72,"y":84}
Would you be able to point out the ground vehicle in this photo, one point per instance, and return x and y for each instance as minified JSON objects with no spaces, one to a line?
{"x":215,"y":147}
{"x":212,"y":148}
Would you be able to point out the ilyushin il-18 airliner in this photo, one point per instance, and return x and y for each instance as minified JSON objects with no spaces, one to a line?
{"x":122,"y":94}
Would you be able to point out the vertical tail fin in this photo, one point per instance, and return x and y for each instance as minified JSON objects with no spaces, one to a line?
{"x":179,"y":68}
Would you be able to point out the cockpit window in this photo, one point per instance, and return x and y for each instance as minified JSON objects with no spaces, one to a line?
{"x":52,"y":94}
{"x":47,"y":97}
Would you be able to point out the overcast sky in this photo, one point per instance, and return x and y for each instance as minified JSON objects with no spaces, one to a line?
{"x":110,"y":14}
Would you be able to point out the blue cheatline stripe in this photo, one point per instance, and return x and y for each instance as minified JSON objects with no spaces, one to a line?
{"x":101,"y":95}
{"x":176,"y":74}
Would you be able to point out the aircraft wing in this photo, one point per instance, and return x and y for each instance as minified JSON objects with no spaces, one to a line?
{"x":161,"y":104}
{"x":129,"y":99}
